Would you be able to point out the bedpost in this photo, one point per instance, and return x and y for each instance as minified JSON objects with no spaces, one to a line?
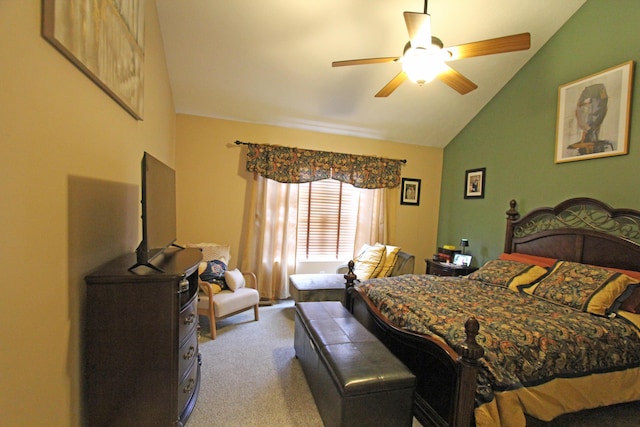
{"x":512,"y":215}
{"x":469,"y":353}
{"x":350,"y":278}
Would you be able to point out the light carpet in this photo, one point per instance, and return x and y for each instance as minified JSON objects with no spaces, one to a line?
{"x":251,"y":377}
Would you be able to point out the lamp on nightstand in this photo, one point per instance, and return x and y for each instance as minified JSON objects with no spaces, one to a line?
{"x":463,"y":244}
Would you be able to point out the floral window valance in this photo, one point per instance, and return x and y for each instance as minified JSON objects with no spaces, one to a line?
{"x":295,"y":165}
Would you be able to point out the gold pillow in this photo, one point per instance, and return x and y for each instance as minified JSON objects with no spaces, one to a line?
{"x":369,"y":261}
{"x":390,"y":258}
{"x":582,"y":287}
{"x":508,"y":274}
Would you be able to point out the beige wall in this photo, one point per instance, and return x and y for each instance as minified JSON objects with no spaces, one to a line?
{"x":70,"y":201}
{"x":70,"y":198}
{"x":213,"y":183}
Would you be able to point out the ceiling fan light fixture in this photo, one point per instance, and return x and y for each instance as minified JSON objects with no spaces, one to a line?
{"x":422,"y":65}
{"x":423,"y":61}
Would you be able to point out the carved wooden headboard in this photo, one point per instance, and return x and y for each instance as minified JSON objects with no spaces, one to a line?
{"x":581,"y":229}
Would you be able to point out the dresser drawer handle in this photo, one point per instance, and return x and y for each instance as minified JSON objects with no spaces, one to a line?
{"x":189,"y":319}
{"x":183,"y":286}
{"x":189,"y":387}
{"x":189,"y":354}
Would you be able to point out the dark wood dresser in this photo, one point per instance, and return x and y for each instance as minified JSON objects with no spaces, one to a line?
{"x":141,"y":358}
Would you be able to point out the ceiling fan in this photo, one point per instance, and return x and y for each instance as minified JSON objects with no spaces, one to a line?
{"x":424,"y":57}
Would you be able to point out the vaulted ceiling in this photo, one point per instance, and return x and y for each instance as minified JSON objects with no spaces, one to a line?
{"x":270,"y":61}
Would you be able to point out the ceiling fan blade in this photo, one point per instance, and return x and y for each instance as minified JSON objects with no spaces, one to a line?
{"x":364,"y":61}
{"x":392,"y":85}
{"x":419,"y":29}
{"x":489,"y":47}
{"x":456,"y":81}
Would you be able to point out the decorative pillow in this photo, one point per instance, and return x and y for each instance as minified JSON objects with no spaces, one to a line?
{"x":234,"y":279}
{"x":631,"y":317}
{"x":582,"y":287}
{"x":369,"y":261}
{"x":630,"y":273}
{"x":210,"y":272}
{"x":216,"y":288}
{"x":211,"y":251}
{"x":508,"y":274}
{"x":529,"y":259}
{"x":213,"y":272}
{"x":632,"y":302}
{"x":390,"y":258}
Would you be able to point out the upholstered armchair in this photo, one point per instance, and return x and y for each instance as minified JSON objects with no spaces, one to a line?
{"x":223,"y":292}
{"x":218,"y":304}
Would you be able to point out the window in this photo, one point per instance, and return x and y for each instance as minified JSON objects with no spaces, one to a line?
{"x":327,"y":217}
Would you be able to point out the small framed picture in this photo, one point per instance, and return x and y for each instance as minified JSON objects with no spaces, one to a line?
{"x":410,"y":191}
{"x":474,"y":183}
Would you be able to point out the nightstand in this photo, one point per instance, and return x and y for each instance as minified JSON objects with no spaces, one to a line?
{"x":444,"y":269}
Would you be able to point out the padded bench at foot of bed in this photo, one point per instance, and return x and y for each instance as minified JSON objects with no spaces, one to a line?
{"x":317,"y":287}
{"x":355,"y":380}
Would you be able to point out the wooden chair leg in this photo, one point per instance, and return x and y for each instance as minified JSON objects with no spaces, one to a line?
{"x":212,"y":320}
{"x":213,"y":328}
{"x":255,"y":312}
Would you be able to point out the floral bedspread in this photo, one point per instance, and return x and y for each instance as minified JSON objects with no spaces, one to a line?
{"x":527,"y":340}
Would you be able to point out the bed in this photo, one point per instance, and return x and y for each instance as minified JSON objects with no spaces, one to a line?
{"x":543,"y":330}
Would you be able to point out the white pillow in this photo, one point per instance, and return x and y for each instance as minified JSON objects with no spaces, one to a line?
{"x":234,"y":279}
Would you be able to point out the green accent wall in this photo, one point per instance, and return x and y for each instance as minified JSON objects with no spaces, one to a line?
{"x":513,"y":137}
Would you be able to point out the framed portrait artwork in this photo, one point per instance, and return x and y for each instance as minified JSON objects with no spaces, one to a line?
{"x":593,"y":115}
{"x":410,"y":192}
{"x":474,"y":183}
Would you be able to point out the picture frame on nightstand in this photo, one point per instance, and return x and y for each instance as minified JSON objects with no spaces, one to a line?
{"x":463,"y":260}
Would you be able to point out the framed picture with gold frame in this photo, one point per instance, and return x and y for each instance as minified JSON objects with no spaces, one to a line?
{"x":593,"y":115}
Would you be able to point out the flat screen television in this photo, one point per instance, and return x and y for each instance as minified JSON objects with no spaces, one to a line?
{"x":158,"y":211}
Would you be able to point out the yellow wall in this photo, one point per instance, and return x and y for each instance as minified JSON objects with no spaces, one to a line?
{"x":70,"y":198}
{"x":213,"y":183}
{"x":70,"y":201}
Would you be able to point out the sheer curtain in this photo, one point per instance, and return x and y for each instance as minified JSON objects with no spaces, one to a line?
{"x":376,"y":216}
{"x":270,"y":247}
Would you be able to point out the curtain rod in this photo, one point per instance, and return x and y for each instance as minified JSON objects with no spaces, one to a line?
{"x":247,"y":143}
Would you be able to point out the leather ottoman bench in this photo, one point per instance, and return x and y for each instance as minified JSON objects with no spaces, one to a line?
{"x":355,"y":380}
{"x":317,"y":287}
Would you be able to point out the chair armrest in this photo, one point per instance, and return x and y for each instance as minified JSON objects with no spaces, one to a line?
{"x":252,"y":276}
{"x":206,"y":287}
{"x":404,"y":264}
{"x":342,"y":269}
{"x":249,"y":277}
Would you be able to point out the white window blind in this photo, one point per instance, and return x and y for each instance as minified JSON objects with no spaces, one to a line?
{"x":327,"y":217}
